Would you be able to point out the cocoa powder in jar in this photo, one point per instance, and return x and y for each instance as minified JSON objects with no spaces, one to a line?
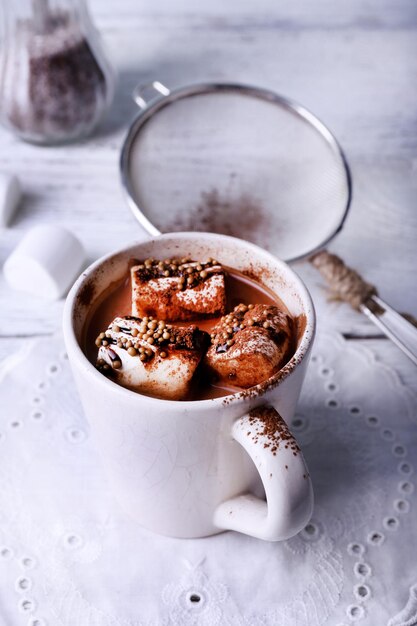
{"x":54,"y":87}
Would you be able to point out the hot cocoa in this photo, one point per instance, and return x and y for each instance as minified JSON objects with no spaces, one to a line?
{"x":198,"y":330}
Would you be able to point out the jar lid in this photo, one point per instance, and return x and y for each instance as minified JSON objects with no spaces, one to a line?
{"x":237,"y":160}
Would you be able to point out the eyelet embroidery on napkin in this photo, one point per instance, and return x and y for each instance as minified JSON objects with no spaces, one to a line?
{"x":387,"y":434}
{"x":309,"y":609}
{"x":362,"y":570}
{"x":326,"y":371}
{"x":27,"y":562}
{"x":355,"y":612}
{"x":332,"y":403}
{"x":37,"y":415}
{"x":332,"y":387}
{"x":405,"y":468}
{"x":6,"y":553}
{"x":402,"y":506}
{"x":300,"y":423}
{"x":23,"y":584}
{"x":75,"y":435}
{"x":195,"y":597}
{"x":405,"y":487}
{"x":376,"y":538}
{"x":372,"y":421}
{"x":391,"y":523}
{"x":316,"y":358}
{"x":36,"y":621}
{"x":73,"y":541}
{"x":355,"y":549}
{"x":399,"y":450}
{"x":311,"y":532}
{"x":362,"y":592}
{"x":26,"y":605}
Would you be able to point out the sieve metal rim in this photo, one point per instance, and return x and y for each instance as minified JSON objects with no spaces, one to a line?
{"x":162,"y":97}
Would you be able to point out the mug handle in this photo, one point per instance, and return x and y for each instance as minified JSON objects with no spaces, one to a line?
{"x":289,"y":494}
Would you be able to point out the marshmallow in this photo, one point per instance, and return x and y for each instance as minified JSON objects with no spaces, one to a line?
{"x":10,"y":196}
{"x":45,"y":262}
{"x":251,"y":349}
{"x":178,"y":289}
{"x":160,"y":364}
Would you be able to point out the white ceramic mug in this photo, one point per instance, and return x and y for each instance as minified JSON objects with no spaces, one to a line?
{"x":195,"y":468}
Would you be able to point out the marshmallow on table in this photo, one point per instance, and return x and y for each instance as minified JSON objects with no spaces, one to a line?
{"x":150,"y":356}
{"x":45,"y":262}
{"x":10,"y":196}
{"x":178,"y":289}
{"x":250,"y":344}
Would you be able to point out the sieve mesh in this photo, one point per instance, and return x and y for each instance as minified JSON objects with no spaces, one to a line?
{"x":237,"y":161}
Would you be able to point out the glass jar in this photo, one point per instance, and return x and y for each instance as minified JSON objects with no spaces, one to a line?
{"x":55,"y":82}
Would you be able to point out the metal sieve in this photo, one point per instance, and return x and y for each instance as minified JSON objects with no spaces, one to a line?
{"x":237,"y":160}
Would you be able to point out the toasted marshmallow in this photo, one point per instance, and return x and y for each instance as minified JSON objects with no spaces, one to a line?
{"x":151,"y":357}
{"x":250,"y":345}
{"x":178,"y":289}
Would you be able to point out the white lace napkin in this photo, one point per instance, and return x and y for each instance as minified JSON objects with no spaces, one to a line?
{"x":69,"y":557}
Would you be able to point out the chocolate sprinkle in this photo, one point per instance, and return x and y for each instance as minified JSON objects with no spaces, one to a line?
{"x":267,"y":423}
{"x":190,"y":272}
{"x":244,"y":316}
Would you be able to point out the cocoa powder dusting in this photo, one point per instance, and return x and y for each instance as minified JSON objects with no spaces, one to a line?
{"x":244,"y":217}
{"x":268,"y":424}
{"x":86,"y":294}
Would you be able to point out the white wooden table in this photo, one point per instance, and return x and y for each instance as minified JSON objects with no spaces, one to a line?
{"x":351,"y":63}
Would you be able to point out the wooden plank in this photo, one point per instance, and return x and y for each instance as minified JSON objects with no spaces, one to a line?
{"x":348,"y":62}
{"x":371,"y":14}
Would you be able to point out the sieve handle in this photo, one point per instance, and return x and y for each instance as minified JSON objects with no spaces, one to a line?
{"x":140,"y":91}
{"x":394,"y":325}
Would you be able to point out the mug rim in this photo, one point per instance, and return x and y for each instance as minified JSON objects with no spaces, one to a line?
{"x":256,"y":391}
